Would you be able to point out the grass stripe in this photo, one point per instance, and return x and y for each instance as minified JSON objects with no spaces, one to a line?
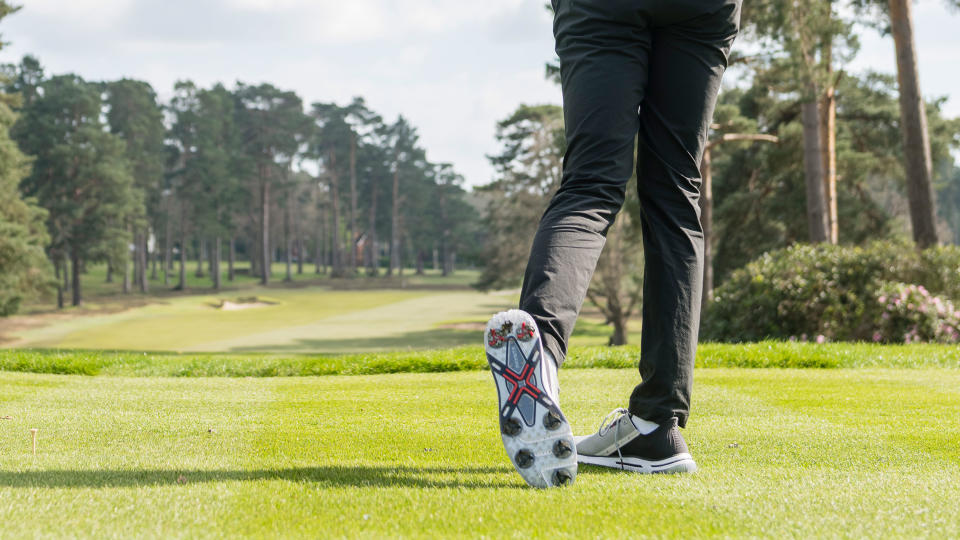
{"x":783,"y":454}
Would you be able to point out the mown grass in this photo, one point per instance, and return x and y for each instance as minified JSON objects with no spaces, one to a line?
{"x":710,"y":355}
{"x":783,"y":453}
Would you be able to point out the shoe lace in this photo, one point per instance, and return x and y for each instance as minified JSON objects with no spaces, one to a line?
{"x":609,"y":421}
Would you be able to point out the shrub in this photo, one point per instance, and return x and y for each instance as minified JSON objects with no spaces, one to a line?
{"x":831,"y":292}
{"x":910,"y":314}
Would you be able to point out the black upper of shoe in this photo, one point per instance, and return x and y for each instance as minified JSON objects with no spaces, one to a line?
{"x":660,"y":444}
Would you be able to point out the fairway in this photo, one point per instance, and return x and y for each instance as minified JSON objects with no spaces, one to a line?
{"x":838,"y":453}
{"x":313,"y":319}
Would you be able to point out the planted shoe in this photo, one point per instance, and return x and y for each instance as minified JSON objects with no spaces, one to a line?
{"x":630,"y":443}
{"x":535,"y":433}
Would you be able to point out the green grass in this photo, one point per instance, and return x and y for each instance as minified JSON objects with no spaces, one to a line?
{"x":713,"y":355}
{"x":782,"y":453}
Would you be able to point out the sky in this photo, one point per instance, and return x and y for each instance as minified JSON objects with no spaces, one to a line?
{"x":452,"y":68}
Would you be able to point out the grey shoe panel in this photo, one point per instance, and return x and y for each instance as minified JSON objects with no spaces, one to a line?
{"x":528,"y":408}
{"x":622,"y":440}
{"x":618,"y":434}
{"x":515,"y":357}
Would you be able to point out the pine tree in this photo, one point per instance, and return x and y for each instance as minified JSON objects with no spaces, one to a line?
{"x":80,"y":175}
{"x":135,"y":116}
{"x":24,"y":268}
{"x":272,"y":126}
{"x":528,"y":169}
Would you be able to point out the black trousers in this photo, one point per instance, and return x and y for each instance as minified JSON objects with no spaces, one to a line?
{"x":633,"y":67}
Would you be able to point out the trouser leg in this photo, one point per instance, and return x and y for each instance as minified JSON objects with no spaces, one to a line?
{"x":687,"y":61}
{"x":603,"y":48}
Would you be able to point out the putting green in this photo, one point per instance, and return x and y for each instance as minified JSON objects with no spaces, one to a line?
{"x":782,"y":453}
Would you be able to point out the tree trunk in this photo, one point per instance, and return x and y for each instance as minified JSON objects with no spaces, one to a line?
{"x":215,"y":263}
{"x":828,"y":136}
{"x":813,"y":172}
{"x":201,"y":253}
{"x":126,"y":288}
{"x":706,"y":221}
{"x":209,"y":255}
{"x":167,"y":258}
{"x":287,"y":241}
{"x":449,"y":262}
{"x":352,"y":258}
{"x":421,"y":260}
{"x":182,"y":285}
{"x":335,"y":204}
{"x":109,"y":272}
{"x":395,"y":261}
{"x":142,"y":258}
{"x":318,"y":251}
{"x":138,"y":269}
{"x":75,"y":266}
{"x":373,"y":264}
{"x":913,"y":120}
{"x":135,"y":254}
{"x":66,"y":273}
{"x":58,"y":267}
{"x":322,"y":242}
{"x":254,"y":255}
{"x":153,"y":256}
{"x":301,"y":245}
{"x":265,"y":231}
{"x":298,"y":232}
{"x":232,"y":258}
{"x":619,"y":336}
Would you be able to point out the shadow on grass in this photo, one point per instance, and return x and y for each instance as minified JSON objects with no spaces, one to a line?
{"x":346,"y":476}
{"x":440,"y":338}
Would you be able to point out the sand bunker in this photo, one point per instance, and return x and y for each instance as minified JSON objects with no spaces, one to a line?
{"x":234,"y":306}
{"x":242,"y":303}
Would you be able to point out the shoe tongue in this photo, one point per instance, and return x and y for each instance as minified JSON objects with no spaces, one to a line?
{"x":644,"y":427}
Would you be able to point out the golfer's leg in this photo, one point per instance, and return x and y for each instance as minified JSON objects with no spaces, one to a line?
{"x":687,"y":62}
{"x":603,"y":63}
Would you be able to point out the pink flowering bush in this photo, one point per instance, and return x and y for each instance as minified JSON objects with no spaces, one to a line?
{"x":833,"y":293}
{"x":910,"y":314}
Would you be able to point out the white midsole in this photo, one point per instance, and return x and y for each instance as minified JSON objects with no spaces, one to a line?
{"x":678,"y":463}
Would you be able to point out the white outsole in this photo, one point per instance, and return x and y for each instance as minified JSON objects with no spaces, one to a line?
{"x":535,"y":440}
{"x":680,"y":463}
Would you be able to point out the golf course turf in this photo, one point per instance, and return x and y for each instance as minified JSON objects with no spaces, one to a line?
{"x":782,"y":452}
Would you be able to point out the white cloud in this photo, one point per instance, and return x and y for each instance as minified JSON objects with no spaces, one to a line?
{"x":90,"y":10}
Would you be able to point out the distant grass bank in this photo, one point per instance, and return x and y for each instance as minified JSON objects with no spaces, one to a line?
{"x":710,"y":355}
